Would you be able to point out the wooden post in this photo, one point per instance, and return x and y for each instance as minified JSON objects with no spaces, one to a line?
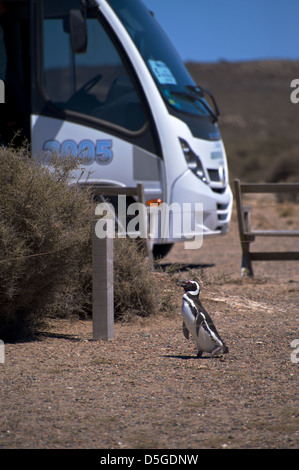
{"x":102,"y":287}
{"x":243,"y":223}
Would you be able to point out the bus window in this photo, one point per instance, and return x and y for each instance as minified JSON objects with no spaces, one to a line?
{"x":95,"y":83}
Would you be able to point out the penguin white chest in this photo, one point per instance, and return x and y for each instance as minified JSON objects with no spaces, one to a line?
{"x":188,"y":316}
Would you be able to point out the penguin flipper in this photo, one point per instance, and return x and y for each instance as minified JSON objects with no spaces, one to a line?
{"x":185,"y":331}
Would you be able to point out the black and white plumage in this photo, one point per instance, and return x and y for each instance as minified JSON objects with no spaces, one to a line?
{"x":198,"y":323}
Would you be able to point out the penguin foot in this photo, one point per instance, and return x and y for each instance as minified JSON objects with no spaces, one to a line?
{"x":199,"y":354}
{"x":217,"y":351}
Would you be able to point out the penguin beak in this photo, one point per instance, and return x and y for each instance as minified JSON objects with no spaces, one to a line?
{"x":182,"y":283}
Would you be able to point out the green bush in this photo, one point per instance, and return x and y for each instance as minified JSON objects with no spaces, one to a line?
{"x":44,"y":242}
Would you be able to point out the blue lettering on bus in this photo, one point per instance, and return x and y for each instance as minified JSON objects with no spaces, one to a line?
{"x":99,"y":152}
{"x":103,"y":151}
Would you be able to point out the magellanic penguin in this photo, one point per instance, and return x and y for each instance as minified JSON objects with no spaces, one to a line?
{"x":198,"y":322}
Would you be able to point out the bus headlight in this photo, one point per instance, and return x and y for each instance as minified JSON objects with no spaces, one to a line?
{"x":193,"y":161}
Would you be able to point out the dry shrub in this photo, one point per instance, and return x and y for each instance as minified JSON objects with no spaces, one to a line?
{"x":45,"y":245}
{"x":44,"y":241}
{"x":135,"y":284}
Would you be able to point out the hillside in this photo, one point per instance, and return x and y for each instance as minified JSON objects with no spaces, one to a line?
{"x":258,"y":122}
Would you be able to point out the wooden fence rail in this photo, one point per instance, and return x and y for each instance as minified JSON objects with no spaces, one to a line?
{"x":247,"y":235}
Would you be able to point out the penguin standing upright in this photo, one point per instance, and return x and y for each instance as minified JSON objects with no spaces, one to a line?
{"x":198,"y":323}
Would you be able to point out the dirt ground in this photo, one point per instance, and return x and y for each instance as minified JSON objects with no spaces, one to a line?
{"x":146,"y":389}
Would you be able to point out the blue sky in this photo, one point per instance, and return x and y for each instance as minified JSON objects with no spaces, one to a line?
{"x":233,"y":30}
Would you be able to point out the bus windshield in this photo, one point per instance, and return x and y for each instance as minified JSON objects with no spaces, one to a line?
{"x":171,"y":76}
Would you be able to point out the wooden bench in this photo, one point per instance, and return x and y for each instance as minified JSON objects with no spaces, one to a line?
{"x":247,"y":235}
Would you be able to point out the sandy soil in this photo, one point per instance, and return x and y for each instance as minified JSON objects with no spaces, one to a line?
{"x":145,"y":389}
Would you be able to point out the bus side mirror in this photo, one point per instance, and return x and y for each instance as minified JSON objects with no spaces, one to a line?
{"x":78,"y":31}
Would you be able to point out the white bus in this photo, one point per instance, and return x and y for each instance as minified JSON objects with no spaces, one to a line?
{"x":100,"y":79}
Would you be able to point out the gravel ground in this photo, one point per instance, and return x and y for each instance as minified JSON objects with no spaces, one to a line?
{"x":146,"y":389}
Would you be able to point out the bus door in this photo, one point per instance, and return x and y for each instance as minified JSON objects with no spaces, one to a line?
{"x":15,"y":72}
